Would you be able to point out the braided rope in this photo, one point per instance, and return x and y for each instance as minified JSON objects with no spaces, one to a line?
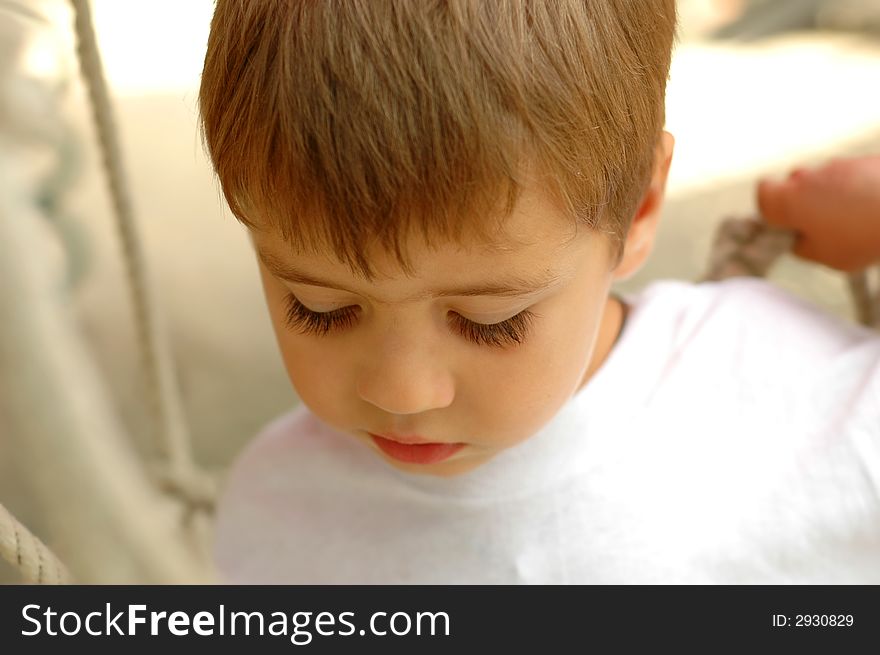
{"x":749,"y":247}
{"x":33,"y":559}
{"x":867,"y":308}
{"x":178,"y":473}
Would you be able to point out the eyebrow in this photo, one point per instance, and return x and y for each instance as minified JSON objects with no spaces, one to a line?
{"x":511,"y":287}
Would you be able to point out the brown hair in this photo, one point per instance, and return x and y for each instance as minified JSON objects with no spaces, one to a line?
{"x":346,"y":123}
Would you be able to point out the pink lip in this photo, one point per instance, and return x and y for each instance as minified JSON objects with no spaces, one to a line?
{"x":416,"y":453}
{"x":408,"y":439}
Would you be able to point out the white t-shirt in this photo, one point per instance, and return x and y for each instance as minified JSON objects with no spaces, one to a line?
{"x":732,"y":436}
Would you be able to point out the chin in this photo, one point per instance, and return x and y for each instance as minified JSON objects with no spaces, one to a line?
{"x":448,"y":469}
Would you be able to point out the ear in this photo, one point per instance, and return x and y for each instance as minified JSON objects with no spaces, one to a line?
{"x":640,"y":239}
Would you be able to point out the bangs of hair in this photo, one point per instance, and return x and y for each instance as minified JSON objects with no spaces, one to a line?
{"x":344,"y":125}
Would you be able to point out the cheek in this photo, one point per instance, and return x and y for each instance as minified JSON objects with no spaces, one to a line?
{"x":521,"y":392}
{"x":306,"y":365}
{"x":321,"y":374}
{"x":315,"y":368}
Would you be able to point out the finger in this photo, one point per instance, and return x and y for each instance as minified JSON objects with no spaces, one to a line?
{"x":809,"y":250}
{"x":773,"y":202}
{"x":804,"y":248}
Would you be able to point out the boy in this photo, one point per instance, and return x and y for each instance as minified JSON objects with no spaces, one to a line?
{"x":440,"y":195}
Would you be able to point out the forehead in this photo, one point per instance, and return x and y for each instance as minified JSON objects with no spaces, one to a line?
{"x":535,"y":234}
{"x":514,"y":269}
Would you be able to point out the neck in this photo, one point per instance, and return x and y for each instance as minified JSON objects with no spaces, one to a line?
{"x":610,"y":328}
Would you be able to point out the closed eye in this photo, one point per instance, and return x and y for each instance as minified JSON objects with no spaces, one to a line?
{"x":510,"y":332}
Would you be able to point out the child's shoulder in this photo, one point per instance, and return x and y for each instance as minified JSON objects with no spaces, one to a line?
{"x":280,"y":448}
{"x":274,"y":439}
{"x":743,"y":340}
{"x":742,"y":310}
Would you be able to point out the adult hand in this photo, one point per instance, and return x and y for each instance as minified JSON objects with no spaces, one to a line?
{"x":834,"y":209}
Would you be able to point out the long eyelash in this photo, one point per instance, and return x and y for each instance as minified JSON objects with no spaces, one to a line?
{"x":319,"y":323}
{"x":513,"y":331}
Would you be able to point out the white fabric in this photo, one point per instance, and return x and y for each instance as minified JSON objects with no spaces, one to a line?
{"x":732,"y":436}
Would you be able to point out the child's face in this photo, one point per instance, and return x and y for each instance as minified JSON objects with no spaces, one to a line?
{"x":401,"y":361}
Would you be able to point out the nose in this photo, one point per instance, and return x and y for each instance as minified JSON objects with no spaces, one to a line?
{"x":406,"y":381}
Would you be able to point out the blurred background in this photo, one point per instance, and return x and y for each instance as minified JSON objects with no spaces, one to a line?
{"x":757,"y":87}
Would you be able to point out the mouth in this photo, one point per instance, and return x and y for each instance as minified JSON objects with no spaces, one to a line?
{"x":415,"y":450}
